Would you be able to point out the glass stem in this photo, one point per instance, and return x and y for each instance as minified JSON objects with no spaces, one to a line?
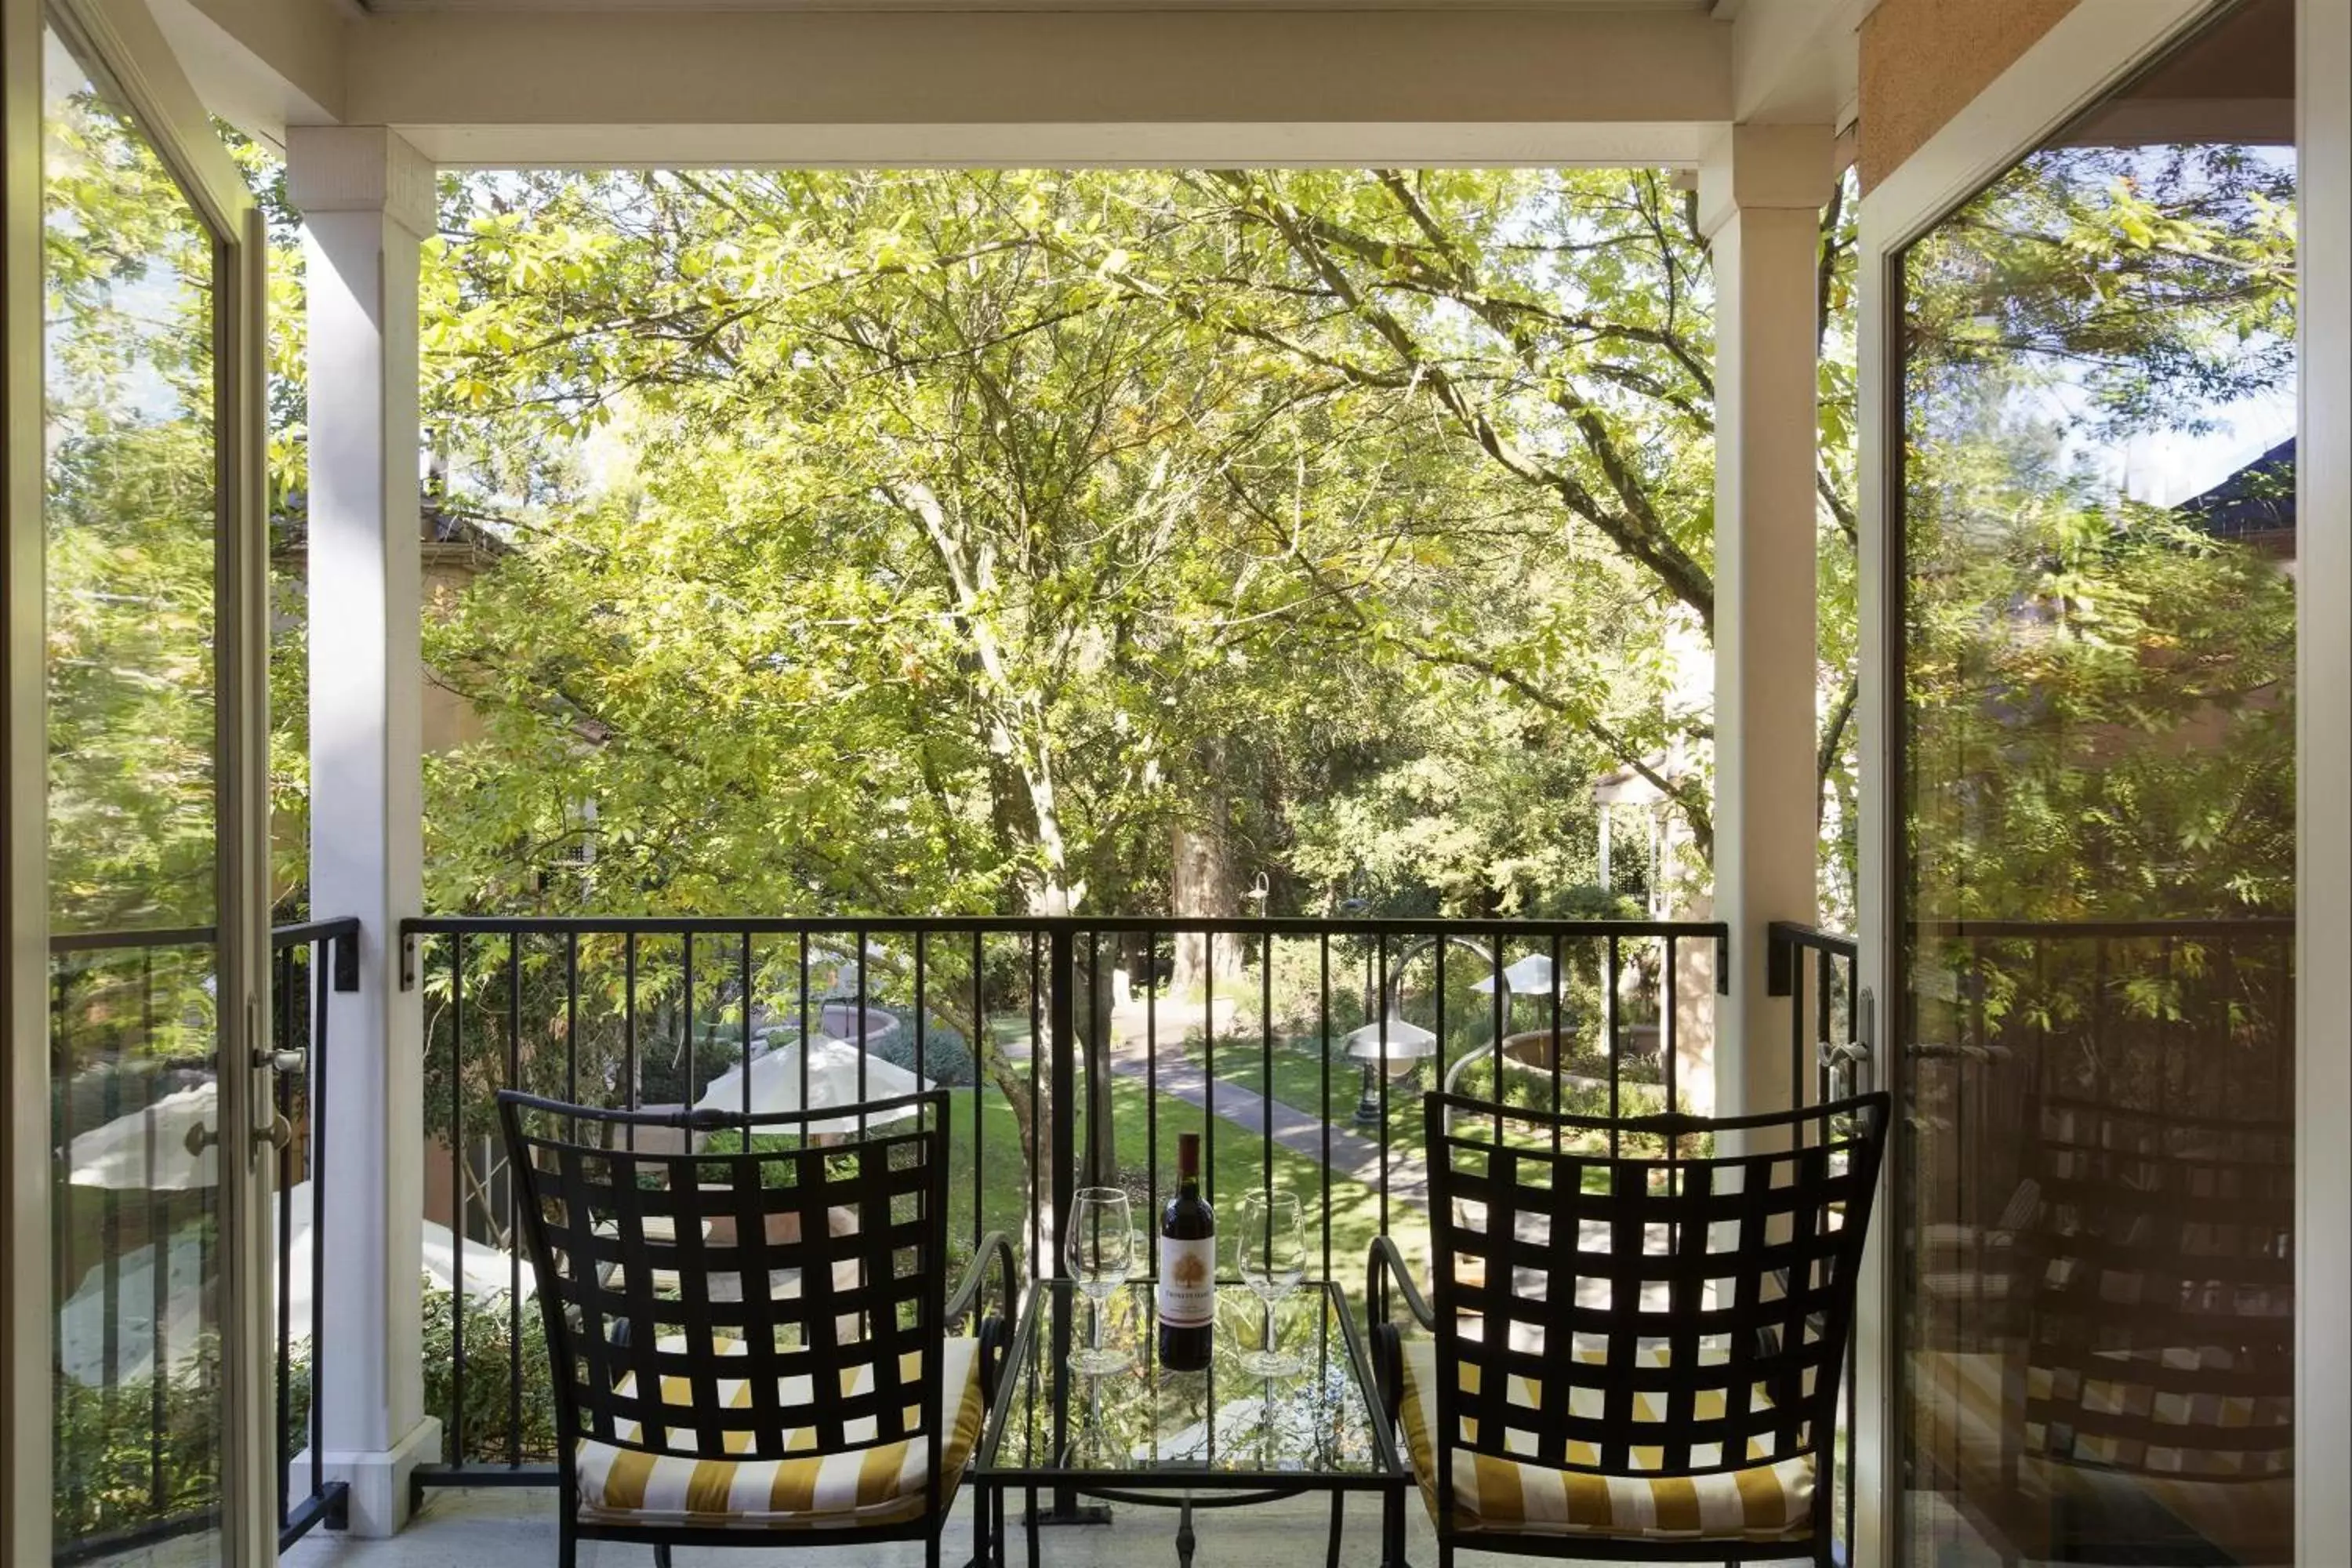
{"x":1098,"y":1302}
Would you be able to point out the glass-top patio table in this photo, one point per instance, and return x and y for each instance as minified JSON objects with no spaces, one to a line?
{"x":1217,"y":1438}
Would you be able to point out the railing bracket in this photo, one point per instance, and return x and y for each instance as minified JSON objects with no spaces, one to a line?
{"x":1779,"y":962}
{"x":408,"y":960}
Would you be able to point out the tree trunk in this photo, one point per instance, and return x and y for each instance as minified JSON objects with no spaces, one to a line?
{"x":1203,"y":881}
{"x":1034,"y":1130}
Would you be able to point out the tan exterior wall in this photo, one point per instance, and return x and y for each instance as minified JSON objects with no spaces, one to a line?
{"x":1923,"y":61}
{"x":447,"y":722}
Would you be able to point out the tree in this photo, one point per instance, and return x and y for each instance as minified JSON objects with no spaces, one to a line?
{"x":130,"y":510}
{"x":2099,"y":686}
{"x":1559,"y":324}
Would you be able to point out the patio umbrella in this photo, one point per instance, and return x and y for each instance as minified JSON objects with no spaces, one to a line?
{"x":148,"y":1150}
{"x":192,"y":1273}
{"x":1530,"y":976}
{"x":833,"y":1067}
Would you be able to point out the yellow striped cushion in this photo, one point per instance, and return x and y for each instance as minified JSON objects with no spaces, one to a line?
{"x":1771,"y":1500}
{"x":880,"y":1484}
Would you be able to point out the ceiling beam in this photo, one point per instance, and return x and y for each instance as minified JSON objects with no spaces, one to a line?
{"x":480,"y":87}
{"x":1795,"y":62}
{"x":262,"y":65}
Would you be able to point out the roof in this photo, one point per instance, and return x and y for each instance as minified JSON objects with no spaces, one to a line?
{"x":2255,"y":502}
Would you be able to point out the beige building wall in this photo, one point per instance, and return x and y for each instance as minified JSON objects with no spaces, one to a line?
{"x":1923,"y":61}
{"x":448,"y":721}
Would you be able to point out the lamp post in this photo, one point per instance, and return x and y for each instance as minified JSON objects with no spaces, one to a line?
{"x":1391,"y":1043}
{"x":1394,"y":1045}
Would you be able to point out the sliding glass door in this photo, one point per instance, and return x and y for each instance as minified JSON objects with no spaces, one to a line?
{"x":2096,"y":778}
{"x":147,"y":615}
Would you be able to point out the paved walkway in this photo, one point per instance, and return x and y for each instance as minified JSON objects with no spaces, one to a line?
{"x":1300,"y":1132}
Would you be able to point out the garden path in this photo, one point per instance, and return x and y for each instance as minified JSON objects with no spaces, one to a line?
{"x":1351,"y":1153}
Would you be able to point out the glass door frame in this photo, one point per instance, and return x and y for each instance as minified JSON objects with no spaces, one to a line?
{"x":2088,"y":52}
{"x":121,"y":39}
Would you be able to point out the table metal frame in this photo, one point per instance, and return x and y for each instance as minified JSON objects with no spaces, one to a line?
{"x":1174,"y":1487}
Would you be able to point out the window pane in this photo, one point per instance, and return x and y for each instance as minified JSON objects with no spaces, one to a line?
{"x":131,"y":517}
{"x":2098,"y":497}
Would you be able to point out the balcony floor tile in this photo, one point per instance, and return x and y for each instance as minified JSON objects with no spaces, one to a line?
{"x":516,"y":1529}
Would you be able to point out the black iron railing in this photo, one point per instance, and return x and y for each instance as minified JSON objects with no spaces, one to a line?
{"x":308,"y":964}
{"x":1821,"y":973}
{"x":133,"y":1047}
{"x":1296,"y":1048}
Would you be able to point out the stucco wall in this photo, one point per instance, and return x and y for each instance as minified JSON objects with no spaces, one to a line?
{"x":1923,"y":61}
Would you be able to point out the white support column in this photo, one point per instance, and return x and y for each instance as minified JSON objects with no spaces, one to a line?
{"x":367,"y":201}
{"x":1761,"y":196}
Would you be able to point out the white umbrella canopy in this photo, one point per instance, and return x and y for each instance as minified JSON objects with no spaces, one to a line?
{"x":833,"y":1068}
{"x":147,"y":1151}
{"x":188,"y":1283}
{"x":1398,"y":1040}
{"x":1530,"y":976}
{"x":187,"y":1297}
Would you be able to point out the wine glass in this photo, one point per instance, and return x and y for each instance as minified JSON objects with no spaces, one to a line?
{"x":1270,"y":1252}
{"x":1101,"y":1252}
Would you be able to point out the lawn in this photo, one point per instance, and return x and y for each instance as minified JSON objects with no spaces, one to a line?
{"x":1239,"y":1165}
{"x":1298,"y":1079}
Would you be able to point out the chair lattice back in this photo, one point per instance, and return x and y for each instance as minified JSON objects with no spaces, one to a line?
{"x":1659,"y":1315}
{"x":2160,"y":1288}
{"x":789,"y":1297}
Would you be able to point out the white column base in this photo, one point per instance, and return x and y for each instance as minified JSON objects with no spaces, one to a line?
{"x":379,"y":1481}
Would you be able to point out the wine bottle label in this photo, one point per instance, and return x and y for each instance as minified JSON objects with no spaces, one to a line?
{"x":1188,"y":1281}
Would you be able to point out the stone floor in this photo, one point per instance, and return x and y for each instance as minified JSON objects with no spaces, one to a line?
{"x":516,"y":1529}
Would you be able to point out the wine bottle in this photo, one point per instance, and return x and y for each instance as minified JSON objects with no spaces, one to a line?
{"x":1188,"y":1267}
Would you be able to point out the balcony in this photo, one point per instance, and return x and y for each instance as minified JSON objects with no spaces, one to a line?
{"x":1301,"y":1060}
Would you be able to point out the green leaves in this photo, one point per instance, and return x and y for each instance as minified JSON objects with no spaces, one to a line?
{"x":909,"y":540}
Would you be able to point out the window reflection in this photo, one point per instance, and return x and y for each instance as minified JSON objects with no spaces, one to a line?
{"x":130,"y":513}
{"x":2098,"y":498}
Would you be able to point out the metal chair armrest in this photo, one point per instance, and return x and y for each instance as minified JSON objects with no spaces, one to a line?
{"x":1388,"y":1370}
{"x":995,"y":1330}
{"x":1387,"y":1262}
{"x":994,"y":1248}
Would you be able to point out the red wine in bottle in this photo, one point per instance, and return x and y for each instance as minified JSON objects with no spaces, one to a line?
{"x":1188,"y":1267}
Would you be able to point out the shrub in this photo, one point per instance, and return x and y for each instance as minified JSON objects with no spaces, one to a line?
{"x":116,"y":1471}
{"x":489,"y":1432}
{"x":947,"y":1054}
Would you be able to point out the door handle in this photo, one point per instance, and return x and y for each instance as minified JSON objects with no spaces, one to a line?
{"x":1850,"y":1064}
{"x":288,"y":1061}
{"x":270,"y":1128}
{"x":1844,"y":1064}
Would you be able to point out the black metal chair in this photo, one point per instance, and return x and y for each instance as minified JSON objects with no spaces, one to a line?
{"x":752,"y":1347}
{"x":1633,"y":1356}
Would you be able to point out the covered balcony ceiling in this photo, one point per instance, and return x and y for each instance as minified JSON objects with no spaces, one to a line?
{"x":1058,"y":82}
